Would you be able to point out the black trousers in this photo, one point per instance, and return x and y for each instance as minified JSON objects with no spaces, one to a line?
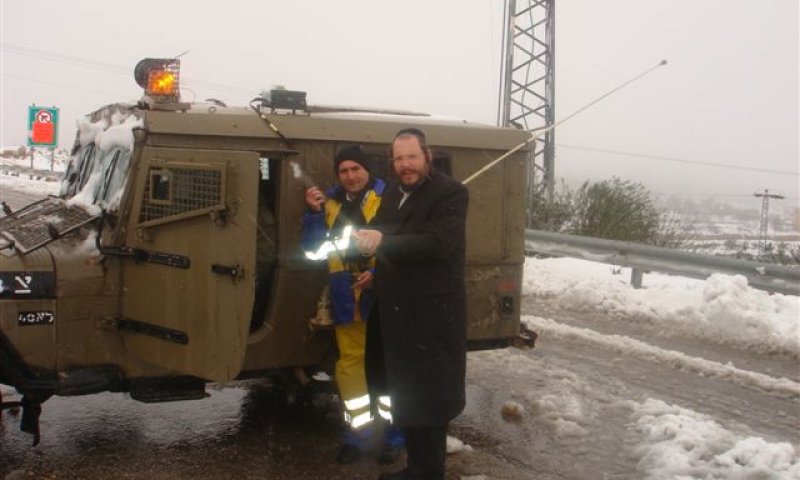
{"x":427,"y":452}
{"x":374,"y":366}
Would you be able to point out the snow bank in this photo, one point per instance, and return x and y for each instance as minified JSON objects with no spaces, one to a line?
{"x":632,"y":347}
{"x":24,"y":184}
{"x":722,"y":309}
{"x":587,"y":418}
{"x":677,"y":443}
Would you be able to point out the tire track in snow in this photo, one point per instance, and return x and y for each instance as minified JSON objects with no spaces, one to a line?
{"x":677,"y":360}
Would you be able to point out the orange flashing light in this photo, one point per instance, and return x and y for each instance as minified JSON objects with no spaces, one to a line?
{"x":163,"y":83}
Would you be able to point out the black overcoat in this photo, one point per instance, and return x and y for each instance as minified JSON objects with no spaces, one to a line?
{"x":419,"y":282}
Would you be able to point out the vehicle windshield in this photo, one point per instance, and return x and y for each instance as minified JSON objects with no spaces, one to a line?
{"x":95,"y":177}
{"x":98,"y":168}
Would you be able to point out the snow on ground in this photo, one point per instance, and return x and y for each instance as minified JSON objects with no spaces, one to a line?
{"x":24,"y":183}
{"x":41,"y":159}
{"x":721,"y":309}
{"x":634,"y":348}
{"x":671,"y":442}
{"x":16,"y":175}
{"x":677,"y":443}
{"x":656,"y":439}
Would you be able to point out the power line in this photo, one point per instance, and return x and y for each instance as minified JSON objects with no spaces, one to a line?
{"x":63,"y":85}
{"x":680,"y":160}
{"x":713,"y":195}
{"x":61,"y":58}
{"x":114,"y":68}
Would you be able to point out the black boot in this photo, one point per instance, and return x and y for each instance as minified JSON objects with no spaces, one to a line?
{"x":389,"y":454}
{"x":401,"y":475}
{"x":348,"y":454}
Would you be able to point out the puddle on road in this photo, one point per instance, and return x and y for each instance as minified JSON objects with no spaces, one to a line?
{"x":106,"y":419}
{"x":241,"y":431}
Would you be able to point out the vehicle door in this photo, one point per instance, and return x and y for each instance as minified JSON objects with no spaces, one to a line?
{"x":188,"y":285}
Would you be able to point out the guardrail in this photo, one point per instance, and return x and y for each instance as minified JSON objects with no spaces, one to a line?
{"x":764,"y":276}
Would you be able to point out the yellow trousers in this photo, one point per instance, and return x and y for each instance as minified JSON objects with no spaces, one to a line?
{"x":349,"y":373}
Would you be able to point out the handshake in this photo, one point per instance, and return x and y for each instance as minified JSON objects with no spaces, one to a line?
{"x":367,"y":241}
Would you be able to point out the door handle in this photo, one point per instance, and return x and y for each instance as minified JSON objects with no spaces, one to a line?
{"x":233,"y":271}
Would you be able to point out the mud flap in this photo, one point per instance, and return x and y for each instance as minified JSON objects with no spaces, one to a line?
{"x":526,"y":338}
{"x":31,"y":411}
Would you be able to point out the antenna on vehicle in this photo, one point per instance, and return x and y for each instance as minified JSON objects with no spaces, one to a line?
{"x":536,"y":134}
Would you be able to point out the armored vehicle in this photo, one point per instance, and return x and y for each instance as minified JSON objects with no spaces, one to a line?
{"x":172,"y":258}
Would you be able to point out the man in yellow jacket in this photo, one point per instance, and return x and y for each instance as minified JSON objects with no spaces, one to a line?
{"x":351,"y":204}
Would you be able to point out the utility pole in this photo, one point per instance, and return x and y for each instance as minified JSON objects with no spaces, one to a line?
{"x":527,"y":83}
{"x":765,"y":215}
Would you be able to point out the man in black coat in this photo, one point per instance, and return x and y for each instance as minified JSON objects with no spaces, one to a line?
{"x":419,"y":241}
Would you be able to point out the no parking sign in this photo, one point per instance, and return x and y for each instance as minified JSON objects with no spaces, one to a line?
{"x":42,"y":126}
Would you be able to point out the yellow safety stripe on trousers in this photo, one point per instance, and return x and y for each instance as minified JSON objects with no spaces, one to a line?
{"x":384,"y":404}
{"x":386,"y":414}
{"x":359,"y":420}
{"x":357,"y":412}
{"x":357,"y":403}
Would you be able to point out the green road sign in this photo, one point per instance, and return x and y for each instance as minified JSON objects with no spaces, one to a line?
{"x":42,"y":126}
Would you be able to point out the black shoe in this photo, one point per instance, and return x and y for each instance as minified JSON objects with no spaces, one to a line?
{"x":348,"y":454}
{"x":389,"y":454}
{"x":401,"y":475}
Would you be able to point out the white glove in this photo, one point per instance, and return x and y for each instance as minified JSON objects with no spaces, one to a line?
{"x":367,"y":241}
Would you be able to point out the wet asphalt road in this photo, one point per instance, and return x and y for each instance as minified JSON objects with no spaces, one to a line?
{"x":16,"y":200}
{"x":247,"y":431}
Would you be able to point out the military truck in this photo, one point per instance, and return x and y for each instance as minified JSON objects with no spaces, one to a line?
{"x":145,"y":274}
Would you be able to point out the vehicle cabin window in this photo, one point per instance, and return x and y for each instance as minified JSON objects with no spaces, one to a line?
{"x":115,"y":175}
{"x":266,"y":239}
{"x":175,"y":192}
{"x":263,"y":168}
{"x":160,"y":187}
{"x":96,"y":175}
{"x":72,"y":177}
{"x":380,"y":163}
{"x":85,"y":167}
{"x":442,"y":162}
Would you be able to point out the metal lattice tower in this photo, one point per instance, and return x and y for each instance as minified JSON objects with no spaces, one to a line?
{"x":764,"y":227}
{"x":527,"y":86}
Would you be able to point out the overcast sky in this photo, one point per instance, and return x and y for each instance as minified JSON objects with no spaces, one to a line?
{"x":728,"y":95}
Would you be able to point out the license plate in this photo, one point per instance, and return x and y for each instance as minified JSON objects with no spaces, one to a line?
{"x":25,"y":319}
